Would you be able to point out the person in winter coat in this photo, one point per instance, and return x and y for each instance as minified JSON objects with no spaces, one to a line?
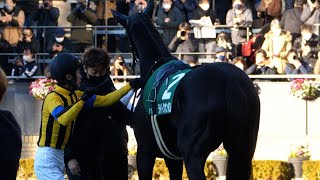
{"x":12,"y":19}
{"x":28,"y":67}
{"x":239,"y":15}
{"x":185,"y":42}
{"x":46,"y":15}
{"x":296,"y":65}
{"x":82,"y":16}
{"x":28,"y":40}
{"x":169,"y":17}
{"x":311,"y":12}
{"x":291,"y":19}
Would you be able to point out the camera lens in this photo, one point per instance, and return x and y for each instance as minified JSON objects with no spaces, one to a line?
{"x":45,"y":4}
{"x":183,"y":33}
{"x":121,"y":63}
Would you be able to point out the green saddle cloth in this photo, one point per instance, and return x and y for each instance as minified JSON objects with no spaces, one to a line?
{"x":159,"y":91}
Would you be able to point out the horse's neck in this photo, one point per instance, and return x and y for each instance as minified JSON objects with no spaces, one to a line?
{"x":149,"y":64}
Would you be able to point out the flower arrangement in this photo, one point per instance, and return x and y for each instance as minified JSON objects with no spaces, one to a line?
{"x":220,"y":151}
{"x":41,"y":87}
{"x":301,"y":151}
{"x":305,"y":89}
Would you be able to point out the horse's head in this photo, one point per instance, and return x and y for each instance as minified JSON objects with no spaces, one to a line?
{"x":144,"y":37}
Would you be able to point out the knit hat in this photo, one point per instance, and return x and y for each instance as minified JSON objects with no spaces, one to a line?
{"x":60,"y":32}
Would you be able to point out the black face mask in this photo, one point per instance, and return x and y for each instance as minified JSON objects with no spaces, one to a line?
{"x":96,"y":80}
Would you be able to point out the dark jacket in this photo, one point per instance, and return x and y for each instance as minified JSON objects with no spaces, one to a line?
{"x":99,"y":134}
{"x":28,"y":6}
{"x":187,"y":7}
{"x":11,"y":144}
{"x":34,"y":45}
{"x":254,"y":69}
{"x":76,"y":18}
{"x":28,"y":70}
{"x":199,"y":13}
{"x":303,"y":69}
{"x":66,"y":44}
{"x":184,"y":46}
{"x":169,"y":30}
{"x":291,"y":20}
{"x":46,"y":17}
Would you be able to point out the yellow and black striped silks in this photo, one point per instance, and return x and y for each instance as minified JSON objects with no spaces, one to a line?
{"x":55,"y":131}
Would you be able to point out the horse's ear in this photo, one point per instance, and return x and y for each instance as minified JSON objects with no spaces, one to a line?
{"x":149,"y":9}
{"x":122,"y":19}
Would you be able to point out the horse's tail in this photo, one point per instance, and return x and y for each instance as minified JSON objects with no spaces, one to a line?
{"x":243,"y":112}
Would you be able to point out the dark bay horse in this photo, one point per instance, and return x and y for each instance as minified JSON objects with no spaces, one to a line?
{"x":216,"y":103}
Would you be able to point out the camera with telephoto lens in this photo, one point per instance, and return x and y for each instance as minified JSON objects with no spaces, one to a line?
{"x":46,"y":4}
{"x":121,"y":63}
{"x":183,"y":33}
{"x":313,"y":1}
{"x":82,"y":6}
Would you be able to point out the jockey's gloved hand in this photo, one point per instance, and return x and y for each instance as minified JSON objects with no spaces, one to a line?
{"x":88,"y":93}
{"x":136,"y":83}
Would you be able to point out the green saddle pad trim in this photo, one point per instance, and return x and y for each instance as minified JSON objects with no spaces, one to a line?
{"x":160,"y":99}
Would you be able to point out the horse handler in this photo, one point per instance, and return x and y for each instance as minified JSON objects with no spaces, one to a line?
{"x":59,"y":111}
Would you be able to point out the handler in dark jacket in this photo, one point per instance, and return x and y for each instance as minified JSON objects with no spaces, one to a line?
{"x":98,"y":149}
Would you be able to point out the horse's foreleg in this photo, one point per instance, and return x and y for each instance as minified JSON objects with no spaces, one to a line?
{"x":175,"y":168}
{"x":145,"y":163}
{"x":195,"y":168}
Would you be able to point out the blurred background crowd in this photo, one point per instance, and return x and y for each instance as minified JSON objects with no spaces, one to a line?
{"x":258,"y":36}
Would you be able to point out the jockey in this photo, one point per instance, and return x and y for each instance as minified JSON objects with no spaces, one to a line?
{"x":59,"y":111}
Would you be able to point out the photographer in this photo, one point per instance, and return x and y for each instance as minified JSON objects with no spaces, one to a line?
{"x":185,"y":42}
{"x":27,"y":66}
{"x":82,"y":16}
{"x":296,"y":65}
{"x":28,"y":40}
{"x":47,"y":15}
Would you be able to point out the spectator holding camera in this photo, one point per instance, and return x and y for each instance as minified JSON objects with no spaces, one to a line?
{"x":261,"y":64}
{"x":12,"y":19}
{"x":307,"y":45}
{"x":239,"y":15}
{"x":28,"y":40}
{"x":185,"y":42}
{"x":82,"y":16}
{"x":46,"y":15}
{"x":60,"y":43}
{"x":296,"y":65}
{"x":29,"y":8}
{"x":311,"y":12}
{"x":27,"y":66}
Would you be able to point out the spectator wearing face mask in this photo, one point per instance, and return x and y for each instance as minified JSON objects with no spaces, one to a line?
{"x":46,"y":15}
{"x":277,"y":44}
{"x":311,"y":12}
{"x":223,"y":40}
{"x":205,"y":14}
{"x":28,"y":40}
{"x":221,"y":54}
{"x":12,"y":19}
{"x":169,"y":18}
{"x":60,"y":43}
{"x":82,"y":16}
{"x":26,"y":67}
{"x":295,"y":65}
{"x":307,"y":45}
{"x":239,"y":15}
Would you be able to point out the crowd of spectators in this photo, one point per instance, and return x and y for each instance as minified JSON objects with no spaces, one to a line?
{"x":286,"y":26}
